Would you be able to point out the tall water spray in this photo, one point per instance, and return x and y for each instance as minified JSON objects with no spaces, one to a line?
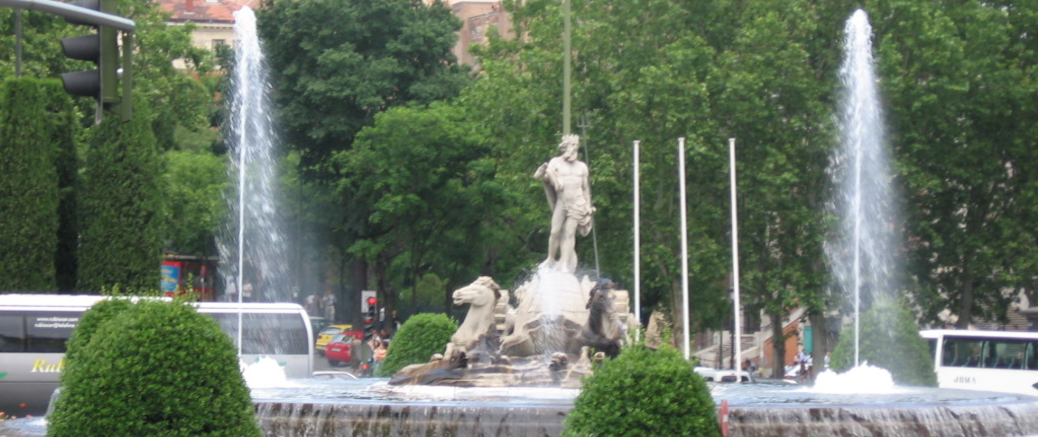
{"x":253,"y":247}
{"x":862,"y":253}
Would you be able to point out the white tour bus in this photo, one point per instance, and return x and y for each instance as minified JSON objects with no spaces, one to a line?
{"x":34,"y":329}
{"x":1000,"y":361}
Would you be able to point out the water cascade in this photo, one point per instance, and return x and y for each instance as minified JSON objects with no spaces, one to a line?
{"x":861,"y":255}
{"x":253,"y":246}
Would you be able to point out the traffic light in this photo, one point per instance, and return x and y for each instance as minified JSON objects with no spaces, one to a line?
{"x":102,"y":48}
{"x":369,"y":318}
{"x":368,"y":306}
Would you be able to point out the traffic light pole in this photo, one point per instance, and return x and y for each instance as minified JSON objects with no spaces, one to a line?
{"x":66,"y":10}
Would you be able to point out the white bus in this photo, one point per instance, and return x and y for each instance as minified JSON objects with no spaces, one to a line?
{"x":34,"y":329}
{"x":1000,"y":361}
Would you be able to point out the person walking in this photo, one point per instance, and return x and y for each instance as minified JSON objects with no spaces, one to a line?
{"x":329,"y":306}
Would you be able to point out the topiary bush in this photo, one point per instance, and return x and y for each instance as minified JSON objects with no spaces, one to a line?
{"x":889,"y":339}
{"x":92,"y":320}
{"x":157,"y":369}
{"x":644,"y":392}
{"x":418,"y":339}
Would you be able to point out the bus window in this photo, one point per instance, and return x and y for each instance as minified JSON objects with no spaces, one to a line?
{"x":12,"y":336}
{"x":49,"y":332}
{"x":961,"y":352}
{"x":267,"y":333}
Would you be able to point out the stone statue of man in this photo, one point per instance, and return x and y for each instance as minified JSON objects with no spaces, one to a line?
{"x":569,"y":196}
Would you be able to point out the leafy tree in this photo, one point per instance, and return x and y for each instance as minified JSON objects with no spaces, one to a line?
{"x":960,"y":81}
{"x":770,"y":99}
{"x":175,"y":97}
{"x":336,"y":64}
{"x":424,"y":177}
{"x":194,"y":183}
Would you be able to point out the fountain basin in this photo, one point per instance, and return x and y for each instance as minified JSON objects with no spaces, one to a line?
{"x":371,"y":407}
{"x":764,"y":411}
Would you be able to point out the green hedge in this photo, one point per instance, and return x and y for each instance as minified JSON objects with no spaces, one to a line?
{"x":889,"y":339}
{"x":157,"y":369}
{"x":121,"y":240}
{"x":644,"y":392}
{"x":29,"y":183}
{"x":417,"y":340}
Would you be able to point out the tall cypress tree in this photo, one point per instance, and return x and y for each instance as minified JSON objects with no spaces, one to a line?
{"x":121,"y":209}
{"x":28,"y":207}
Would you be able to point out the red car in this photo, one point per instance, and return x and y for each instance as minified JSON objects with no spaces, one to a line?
{"x":338,"y":349}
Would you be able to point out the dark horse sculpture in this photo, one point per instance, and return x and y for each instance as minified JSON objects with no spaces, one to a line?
{"x":603,"y":329}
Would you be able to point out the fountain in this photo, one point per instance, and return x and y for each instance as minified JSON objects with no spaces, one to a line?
{"x":485,"y":397}
{"x":253,"y":247}
{"x":861,"y":256}
{"x":506,"y":375}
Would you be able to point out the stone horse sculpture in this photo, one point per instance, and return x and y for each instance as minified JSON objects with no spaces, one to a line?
{"x":482,"y":296}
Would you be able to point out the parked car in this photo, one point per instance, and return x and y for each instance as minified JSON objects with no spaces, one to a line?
{"x":325,"y":335}
{"x":723,"y":375}
{"x":338,"y":350}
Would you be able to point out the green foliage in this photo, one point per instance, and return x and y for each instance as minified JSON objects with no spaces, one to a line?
{"x":91,"y":321}
{"x":960,"y":85}
{"x":157,"y":369}
{"x":644,"y":392}
{"x":122,"y":206}
{"x":889,"y":339}
{"x":336,"y":63}
{"x":193,"y":186}
{"x":29,"y":206}
{"x":418,"y":339}
{"x":436,"y":192}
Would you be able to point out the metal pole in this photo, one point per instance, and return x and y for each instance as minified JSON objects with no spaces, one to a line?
{"x":737,"y":335}
{"x":18,"y":43}
{"x":684,"y":250}
{"x":637,"y":237}
{"x":87,"y":16}
{"x":566,"y":61}
{"x":584,"y":124}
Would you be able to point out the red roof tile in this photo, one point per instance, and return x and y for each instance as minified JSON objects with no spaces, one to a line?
{"x":205,"y":11}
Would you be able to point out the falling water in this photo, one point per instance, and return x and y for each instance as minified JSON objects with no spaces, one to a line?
{"x":861,"y":255}
{"x":253,"y":247}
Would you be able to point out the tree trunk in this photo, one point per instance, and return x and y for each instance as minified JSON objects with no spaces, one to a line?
{"x":778,"y":344}
{"x":966,"y":307}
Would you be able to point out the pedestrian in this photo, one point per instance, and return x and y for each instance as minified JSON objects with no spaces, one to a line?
{"x":311,"y":305}
{"x":380,"y":355}
{"x":329,"y":306}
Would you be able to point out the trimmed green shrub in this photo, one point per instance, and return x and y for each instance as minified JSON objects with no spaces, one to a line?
{"x":92,"y":320}
{"x":889,"y":339}
{"x":158,"y":369}
{"x":418,"y":339}
{"x":121,"y":204}
{"x":644,"y":392}
{"x":29,"y":183}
